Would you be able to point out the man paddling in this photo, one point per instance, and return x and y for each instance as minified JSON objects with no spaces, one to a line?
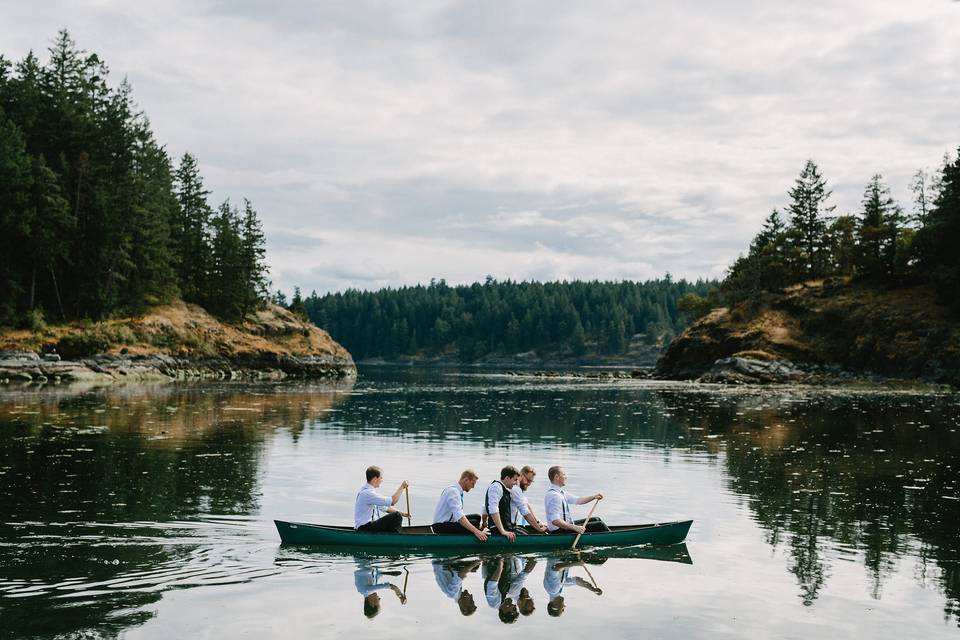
{"x":370,"y":504}
{"x":449,"y":517}
{"x":520,"y":505}
{"x":496,"y":504}
{"x":557,"y":504}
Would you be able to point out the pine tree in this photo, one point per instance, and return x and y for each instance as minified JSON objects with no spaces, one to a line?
{"x":253,"y":251}
{"x":190,"y":230}
{"x":808,"y":220}
{"x":878,"y":230}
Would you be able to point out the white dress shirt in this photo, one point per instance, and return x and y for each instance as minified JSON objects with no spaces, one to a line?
{"x":519,"y":506}
{"x":557,"y":504}
{"x":367,"y":508}
{"x":494,"y":493}
{"x":450,"y":507}
{"x":367,"y":580}
{"x":554,"y":580}
{"x":448,"y":579}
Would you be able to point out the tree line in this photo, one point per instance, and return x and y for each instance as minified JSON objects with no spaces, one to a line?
{"x":95,"y":218}
{"x":882,"y":242}
{"x":501,"y":317}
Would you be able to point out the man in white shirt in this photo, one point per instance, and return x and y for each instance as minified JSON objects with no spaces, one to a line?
{"x":449,"y":517}
{"x":496,"y":504}
{"x":370,"y":505}
{"x":557,"y":504}
{"x":520,"y":505}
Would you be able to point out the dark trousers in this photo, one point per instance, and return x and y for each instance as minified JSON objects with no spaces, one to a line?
{"x":456,"y":527}
{"x":389,"y":523}
{"x":595,"y":525}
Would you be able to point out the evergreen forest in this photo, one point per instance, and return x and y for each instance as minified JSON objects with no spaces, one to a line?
{"x":882,"y":243}
{"x":96,"y":219}
{"x":469,"y":322}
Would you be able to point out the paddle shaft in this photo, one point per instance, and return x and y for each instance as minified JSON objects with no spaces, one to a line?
{"x":406,"y":490}
{"x":585,"y":523}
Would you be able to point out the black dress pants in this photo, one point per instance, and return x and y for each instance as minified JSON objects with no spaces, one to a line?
{"x":456,"y":527}
{"x":595,"y":525}
{"x":389,"y":523}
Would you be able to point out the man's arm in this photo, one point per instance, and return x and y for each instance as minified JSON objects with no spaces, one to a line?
{"x":509,"y":535}
{"x":586,"y":499}
{"x":478,"y":534}
{"x":399,"y":492}
{"x":536,"y":524}
{"x":569,"y":526}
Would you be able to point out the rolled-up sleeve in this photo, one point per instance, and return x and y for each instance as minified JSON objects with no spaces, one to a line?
{"x":553,"y":506}
{"x":454,"y":506}
{"x":494,"y":493}
{"x":519,"y":501}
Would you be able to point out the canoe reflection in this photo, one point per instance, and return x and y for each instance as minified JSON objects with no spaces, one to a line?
{"x":506,"y":581}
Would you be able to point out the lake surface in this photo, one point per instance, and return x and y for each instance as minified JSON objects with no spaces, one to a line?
{"x":146,"y":511}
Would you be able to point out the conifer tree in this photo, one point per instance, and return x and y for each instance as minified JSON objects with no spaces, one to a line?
{"x":808,"y":220}
{"x":878,"y":229}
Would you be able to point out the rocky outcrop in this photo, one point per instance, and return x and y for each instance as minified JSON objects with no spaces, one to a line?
{"x":822,"y":331}
{"x":175,"y":342}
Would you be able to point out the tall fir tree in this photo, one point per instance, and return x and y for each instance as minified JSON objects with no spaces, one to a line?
{"x":809,"y":217}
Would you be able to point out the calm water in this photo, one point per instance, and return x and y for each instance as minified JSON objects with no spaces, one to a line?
{"x":147,"y":511}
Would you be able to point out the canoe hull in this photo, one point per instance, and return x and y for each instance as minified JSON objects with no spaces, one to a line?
{"x":313,"y":534}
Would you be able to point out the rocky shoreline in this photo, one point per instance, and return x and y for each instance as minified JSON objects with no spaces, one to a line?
{"x":177,"y":341}
{"x":30,"y":367}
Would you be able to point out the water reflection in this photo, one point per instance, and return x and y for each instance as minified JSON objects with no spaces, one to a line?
{"x":115,"y":499}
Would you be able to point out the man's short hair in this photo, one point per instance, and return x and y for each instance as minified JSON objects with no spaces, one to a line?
{"x":525,"y":469}
{"x":469,"y":474}
{"x":373,"y":471}
{"x":509,"y":471}
{"x":553,"y":472}
{"x":371,"y":606}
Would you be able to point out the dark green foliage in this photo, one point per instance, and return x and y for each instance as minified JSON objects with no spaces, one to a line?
{"x":93,"y":220}
{"x":937,"y":241}
{"x":878,"y":244}
{"x":878,"y":229}
{"x":473,"y":321}
{"x":808,"y":220}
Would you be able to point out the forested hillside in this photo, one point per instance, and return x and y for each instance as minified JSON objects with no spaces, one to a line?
{"x":883,"y":243}
{"x":95,"y":218}
{"x":470,"y":322}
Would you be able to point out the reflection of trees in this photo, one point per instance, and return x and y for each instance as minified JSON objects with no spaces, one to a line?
{"x":75,"y":464}
{"x":861,"y":471}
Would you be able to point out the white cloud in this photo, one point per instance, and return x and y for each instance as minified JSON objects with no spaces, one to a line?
{"x":526,"y":140}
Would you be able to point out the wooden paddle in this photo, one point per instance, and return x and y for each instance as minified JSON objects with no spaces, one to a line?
{"x":406,"y":490}
{"x":585,"y":523}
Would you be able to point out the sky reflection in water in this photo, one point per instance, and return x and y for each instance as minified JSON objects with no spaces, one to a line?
{"x":147,"y":511}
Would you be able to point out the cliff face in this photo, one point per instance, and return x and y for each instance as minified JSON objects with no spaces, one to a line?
{"x":175,"y":341}
{"x":819,"y":330}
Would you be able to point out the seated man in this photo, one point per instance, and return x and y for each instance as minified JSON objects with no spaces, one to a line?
{"x":520,"y":505}
{"x":370,"y":504}
{"x":449,"y":517}
{"x":557,"y":505}
{"x":496,"y":505}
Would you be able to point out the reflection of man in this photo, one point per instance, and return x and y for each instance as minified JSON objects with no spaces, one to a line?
{"x":450,"y":580}
{"x":503,"y":586}
{"x":368,"y":581}
{"x":555,"y":578}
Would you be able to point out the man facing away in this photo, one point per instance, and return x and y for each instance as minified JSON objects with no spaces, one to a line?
{"x":496,"y":504}
{"x":449,"y":517}
{"x":520,"y":505}
{"x":557,"y":504}
{"x":370,"y":505}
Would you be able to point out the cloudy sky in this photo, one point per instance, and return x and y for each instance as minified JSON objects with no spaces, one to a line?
{"x":387,"y":143}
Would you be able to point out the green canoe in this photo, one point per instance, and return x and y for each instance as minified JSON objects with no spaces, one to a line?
{"x":423,"y":538}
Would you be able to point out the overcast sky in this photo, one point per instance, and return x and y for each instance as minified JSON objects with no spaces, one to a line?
{"x":387,"y":143}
